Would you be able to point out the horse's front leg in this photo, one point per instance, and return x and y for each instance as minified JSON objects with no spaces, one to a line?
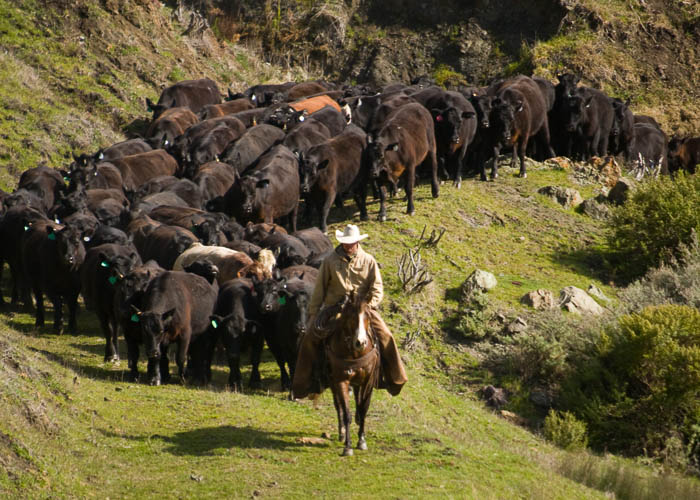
{"x":336,"y":403}
{"x":361,"y":408}
{"x":341,"y":389}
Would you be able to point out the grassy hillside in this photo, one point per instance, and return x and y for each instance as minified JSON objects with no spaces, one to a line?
{"x":74,"y":78}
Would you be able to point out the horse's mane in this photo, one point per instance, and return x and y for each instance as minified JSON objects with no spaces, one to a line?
{"x":328,"y":315}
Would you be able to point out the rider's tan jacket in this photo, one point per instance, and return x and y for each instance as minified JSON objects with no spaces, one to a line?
{"x":340,"y":274}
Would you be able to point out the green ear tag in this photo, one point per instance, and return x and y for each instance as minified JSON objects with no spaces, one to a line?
{"x":112,"y":280}
{"x":66,"y":178}
{"x":282,"y":300}
{"x":52,"y":236}
{"x":135,"y":318}
{"x":104,"y":263}
{"x":26,"y":228}
{"x":214,"y":323}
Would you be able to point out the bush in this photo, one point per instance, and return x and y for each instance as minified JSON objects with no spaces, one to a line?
{"x":474,"y":316}
{"x":565,"y":430}
{"x":659,"y":216}
{"x":644,"y":387}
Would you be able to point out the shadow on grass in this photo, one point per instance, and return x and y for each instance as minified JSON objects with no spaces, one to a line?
{"x":95,"y":372}
{"x":205,"y":441}
{"x":593,"y":262}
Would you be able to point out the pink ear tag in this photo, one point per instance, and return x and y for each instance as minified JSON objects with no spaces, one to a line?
{"x":438,"y":118}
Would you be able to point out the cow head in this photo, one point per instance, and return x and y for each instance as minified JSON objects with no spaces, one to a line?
{"x":154,"y":329}
{"x":576,"y":108}
{"x":269,"y":292}
{"x":115,"y":268}
{"x":207,"y":231}
{"x":203,"y":268}
{"x":158,"y":109}
{"x":253,"y":191}
{"x":70,"y":250}
{"x":309,"y":169}
{"x":297,"y":303}
{"x":448,"y":122}
{"x":380,"y":151}
{"x":483,"y":105}
{"x":286,"y":117}
{"x":567,"y":84}
{"x":503,"y":117}
{"x":67,"y":204}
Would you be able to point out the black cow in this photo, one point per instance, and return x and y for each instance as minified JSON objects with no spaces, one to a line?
{"x":267,"y":192}
{"x":105,"y":265}
{"x":261,"y":95}
{"x":118,"y":150}
{"x":46,"y":183}
{"x":288,"y":250}
{"x":331,"y":169}
{"x":405,"y":141}
{"x":180,"y":150}
{"x":194,"y":94}
{"x":170,"y":124}
{"x":235,"y":323}
{"x":129,"y":294}
{"x":136,"y":169}
{"x":590,"y":119}
{"x":251,"y":146}
{"x":53,"y":255}
{"x":214,"y":179}
{"x":208,"y":146}
{"x":230,"y":107}
{"x":206,"y":226}
{"x":622,"y":133}
{"x":176,"y":310}
{"x":455,"y":127}
{"x":650,"y":149}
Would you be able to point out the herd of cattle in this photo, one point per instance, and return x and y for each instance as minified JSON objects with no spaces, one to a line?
{"x":171,"y":239}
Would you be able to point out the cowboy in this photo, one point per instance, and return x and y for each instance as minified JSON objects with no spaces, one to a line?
{"x":348,"y":269}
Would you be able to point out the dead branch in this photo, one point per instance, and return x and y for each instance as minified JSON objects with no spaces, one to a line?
{"x":432,"y":240}
{"x":412,"y":272}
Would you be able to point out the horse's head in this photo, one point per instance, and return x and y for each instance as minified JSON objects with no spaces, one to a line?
{"x":355,"y":323}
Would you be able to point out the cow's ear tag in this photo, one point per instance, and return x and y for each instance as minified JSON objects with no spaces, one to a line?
{"x":104,"y":263}
{"x":282,"y":300}
{"x":135,"y":318}
{"x":301,"y":118}
{"x":438,"y":118}
{"x":52,"y":236}
{"x":26,"y":228}
{"x":214,"y":323}
{"x":66,"y":178}
{"x":112,"y":280}
{"x":86,"y":239}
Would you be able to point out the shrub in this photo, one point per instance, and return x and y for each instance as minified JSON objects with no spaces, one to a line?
{"x":565,"y":430}
{"x":644,"y":387}
{"x":474,"y":316}
{"x":659,"y":216}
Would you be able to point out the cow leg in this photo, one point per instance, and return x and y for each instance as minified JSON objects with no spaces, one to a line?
{"x":154,"y":371}
{"x":57,"y":302}
{"x":256,"y":348}
{"x":546,"y":141}
{"x":274,"y":347}
{"x":39,"y":313}
{"x":325,"y":210}
{"x":164,"y":364}
{"x":132,"y":348}
{"x":73,"y":314}
{"x":494,"y":166}
{"x":181,"y":357}
{"x":410,"y":180}
{"x":110,"y":351}
{"x":435,"y":186}
{"x":293,"y":217}
{"x":382,"y":203}
{"x":522,"y":147}
{"x":458,"y":160}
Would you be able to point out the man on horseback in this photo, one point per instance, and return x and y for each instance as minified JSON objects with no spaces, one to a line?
{"x":349,"y":269}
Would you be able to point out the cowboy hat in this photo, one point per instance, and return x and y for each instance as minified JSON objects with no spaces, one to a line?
{"x":351,"y":234}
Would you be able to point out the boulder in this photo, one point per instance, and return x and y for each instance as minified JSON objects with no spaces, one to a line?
{"x":578,"y":301}
{"x":539,"y":299}
{"x":595,"y":210}
{"x":567,"y":197}
{"x":518,"y":325}
{"x":621,"y":191}
{"x":479,"y":280}
{"x":609,"y":172}
{"x":597,"y":293}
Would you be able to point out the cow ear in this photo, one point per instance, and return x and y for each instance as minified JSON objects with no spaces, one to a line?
{"x":323,"y":164}
{"x":468,"y":114}
{"x":262,"y":183}
{"x":168,"y":316}
{"x":149,"y":105}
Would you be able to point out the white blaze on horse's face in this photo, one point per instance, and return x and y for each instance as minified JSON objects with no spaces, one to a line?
{"x":361,"y":336}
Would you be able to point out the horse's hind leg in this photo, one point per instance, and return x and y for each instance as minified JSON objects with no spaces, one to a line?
{"x":336,"y":403}
{"x":361,"y":412}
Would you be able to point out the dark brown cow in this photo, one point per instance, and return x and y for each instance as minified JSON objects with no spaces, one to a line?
{"x":226,"y":108}
{"x":684,"y":153}
{"x":520,"y":112}
{"x":194,"y":94}
{"x":268,"y":191}
{"x":170,"y":124}
{"x":214,"y":179}
{"x":332,"y":168}
{"x":137,"y":169}
{"x":44,"y":182}
{"x":251,"y":146}
{"x":406,"y":140}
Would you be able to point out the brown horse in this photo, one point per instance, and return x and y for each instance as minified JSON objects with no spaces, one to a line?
{"x":352,"y":355}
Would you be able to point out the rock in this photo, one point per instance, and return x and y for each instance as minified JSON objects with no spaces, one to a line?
{"x":577,"y":301}
{"x":513,"y":418}
{"x":566,"y":197}
{"x":479,"y":280}
{"x":495,"y":397}
{"x":597,"y":293}
{"x":608,"y":171}
{"x":621,"y":191}
{"x":518,"y":325}
{"x":539,"y":299}
{"x":559,"y":162}
{"x":311,"y":440}
{"x":595,"y":209}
